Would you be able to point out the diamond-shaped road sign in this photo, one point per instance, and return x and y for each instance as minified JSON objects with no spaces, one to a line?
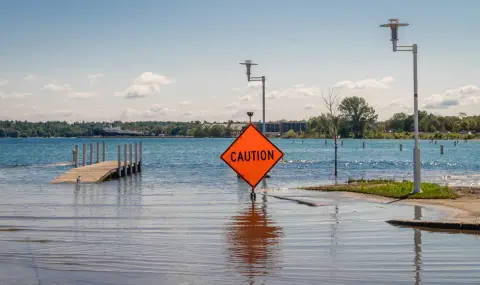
{"x":252,"y":155}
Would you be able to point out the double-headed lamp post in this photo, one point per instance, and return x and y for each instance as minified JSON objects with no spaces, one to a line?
{"x":248,"y":64}
{"x":393,"y":25}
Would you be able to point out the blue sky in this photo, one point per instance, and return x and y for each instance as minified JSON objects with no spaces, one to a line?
{"x":178,"y":60}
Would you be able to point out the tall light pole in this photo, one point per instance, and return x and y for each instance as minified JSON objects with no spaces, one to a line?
{"x":248,"y":64}
{"x":393,"y":25}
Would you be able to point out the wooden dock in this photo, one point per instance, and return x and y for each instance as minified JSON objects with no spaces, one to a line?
{"x":99,"y":171}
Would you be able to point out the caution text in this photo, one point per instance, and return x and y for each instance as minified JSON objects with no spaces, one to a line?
{"x":252,"y":155}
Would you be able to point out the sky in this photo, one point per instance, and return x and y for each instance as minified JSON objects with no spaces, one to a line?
{"x":179,"y":60}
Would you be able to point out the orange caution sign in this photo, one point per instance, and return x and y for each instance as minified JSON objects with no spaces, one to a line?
{"x":252,"y":155}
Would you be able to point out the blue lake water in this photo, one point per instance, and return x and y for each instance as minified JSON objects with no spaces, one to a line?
{"x":187,"y":219}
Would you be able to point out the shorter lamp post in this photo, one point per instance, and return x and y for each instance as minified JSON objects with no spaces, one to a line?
{"x":250,"y":114}
{"x":393,"y":25}
{"x":248,"y":64}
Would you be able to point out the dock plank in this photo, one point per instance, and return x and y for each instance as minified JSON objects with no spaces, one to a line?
{"x":93,"y":173}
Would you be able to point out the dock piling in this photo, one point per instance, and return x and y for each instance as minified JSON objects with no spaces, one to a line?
{"x":363,"y":144}
{"x":104,"y":151}
{"x":131,"y":158}
{"x":441,"y":149}
{"x":119,"y":159}
{"x":98,"y":152}
{"x":84,"y":157}
{"x":136,"y":157}
{"x":125,"y":167}
{"x":141,"y":151}
{"x":76,"y":156}
{"x":91,"y":153}
{"x":401,"y":147}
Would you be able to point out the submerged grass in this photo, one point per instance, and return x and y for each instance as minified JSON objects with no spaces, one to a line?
{"x":390,"y":189}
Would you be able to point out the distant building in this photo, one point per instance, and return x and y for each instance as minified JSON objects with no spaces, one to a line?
{"x":296,"y":126}
{"x":279,"y":128}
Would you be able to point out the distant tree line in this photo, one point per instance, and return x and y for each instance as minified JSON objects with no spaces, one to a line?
{"x":356,"y":119}
{"x":15,"y":129}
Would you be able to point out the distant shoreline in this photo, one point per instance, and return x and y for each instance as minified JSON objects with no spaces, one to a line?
{"x":192,"y":137}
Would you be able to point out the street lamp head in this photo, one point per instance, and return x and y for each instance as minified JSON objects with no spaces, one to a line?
{"x":393,"y":25}
{"x":250,"y":114}
{"x":248,"y":64}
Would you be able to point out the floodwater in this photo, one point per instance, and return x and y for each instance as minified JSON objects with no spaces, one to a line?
{"x":187,"y":219}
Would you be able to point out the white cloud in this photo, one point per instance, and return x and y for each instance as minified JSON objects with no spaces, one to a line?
{"x":144,"y":85}
{"x":30,"y":77}
{"x":399,"y":103}
{"x":309,"y":106}
{"x":140,"y":91}
{"x":296,"y":91}
{"x":188,"y":114}
{"x":3,"y":82}
{"x":82,"y":95}
{"x":465,"y":95}
{"x":184,"y":102}
{"x":57,"y":88}
{"x":366,"y":84}
{"x":252,"y":85}
{"x":149,"y":78}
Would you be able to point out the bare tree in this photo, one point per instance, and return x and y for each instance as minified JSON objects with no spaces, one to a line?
{"x":332,"y":103}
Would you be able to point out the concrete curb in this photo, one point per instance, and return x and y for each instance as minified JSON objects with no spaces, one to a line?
{"x":304,"y":202}
{"x":435,"y":225}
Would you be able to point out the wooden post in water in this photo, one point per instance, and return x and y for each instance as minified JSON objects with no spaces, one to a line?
{"x":125,"y":168}
{"x":84,"y":155}
{"x":341,"y":143}
{"x":401,"y":147}
{"x":98,"y":152}
{"x":104,"y":151}
{"x":363,"y":144}
{"x":325,"y":142}
{"x":131,"y":159}
{"x":136,"y":158}
{"x":119,"y":158}
{"x":91,"y":153}
{"x":76,"y":156}
{"x":141,"y":151}
{"x":441,"y":149}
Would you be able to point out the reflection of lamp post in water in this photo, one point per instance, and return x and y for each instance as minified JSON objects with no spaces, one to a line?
{"x":393,"y":25}
{"x":417,"y":239}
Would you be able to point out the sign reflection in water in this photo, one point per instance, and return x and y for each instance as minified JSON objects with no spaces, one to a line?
{"x":253,"y":241}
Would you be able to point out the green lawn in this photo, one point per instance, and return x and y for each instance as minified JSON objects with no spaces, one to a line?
{"x":390,"y":189}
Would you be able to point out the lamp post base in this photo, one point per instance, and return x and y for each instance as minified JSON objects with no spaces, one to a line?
{"x":416,"y":171}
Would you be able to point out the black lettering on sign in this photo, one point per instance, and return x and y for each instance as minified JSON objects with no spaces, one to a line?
{"x":252,"y":155}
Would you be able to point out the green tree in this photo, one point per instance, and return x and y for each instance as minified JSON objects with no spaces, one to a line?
{"x":356,"y":111}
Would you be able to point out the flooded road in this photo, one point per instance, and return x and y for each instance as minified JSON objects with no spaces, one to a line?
{"x":127,"y":233}
{"x":187,"y":219}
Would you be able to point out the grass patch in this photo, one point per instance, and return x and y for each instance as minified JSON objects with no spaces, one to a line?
{"x":390,"y":189}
